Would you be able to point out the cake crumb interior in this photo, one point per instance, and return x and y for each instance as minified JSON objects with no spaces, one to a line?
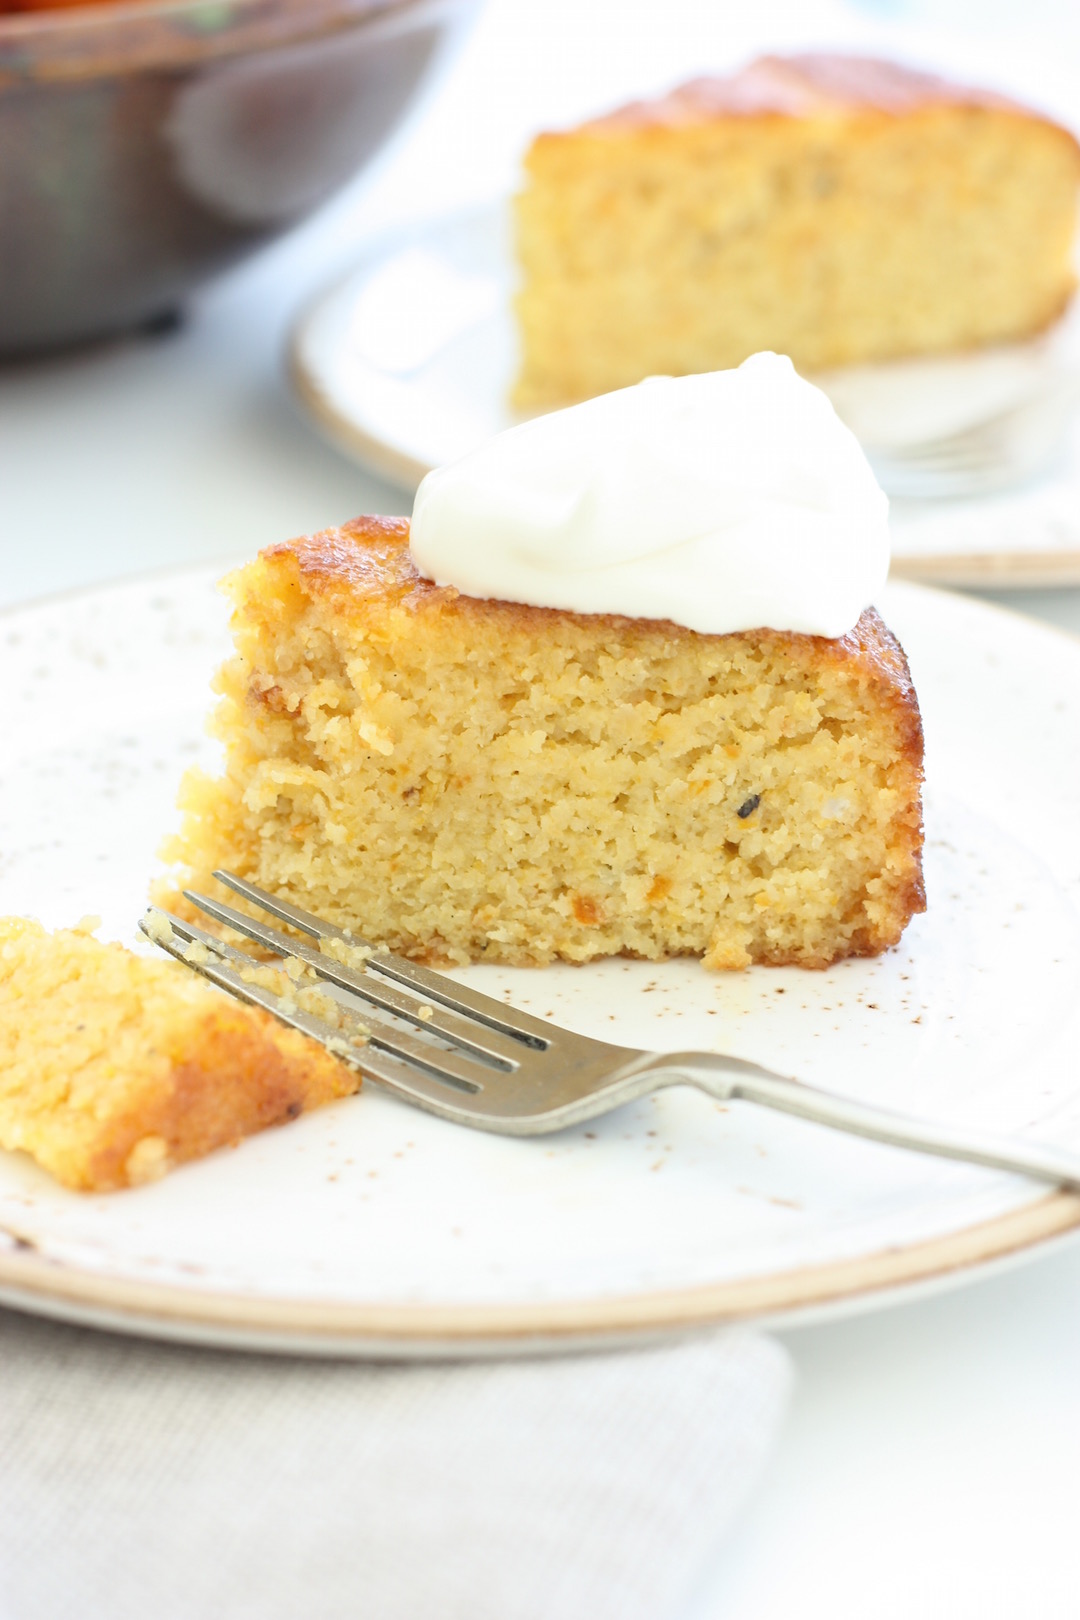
{"x":463,"y":780}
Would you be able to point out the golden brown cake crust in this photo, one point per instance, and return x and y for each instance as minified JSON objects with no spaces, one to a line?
{"x":240,"y":1073}
{"x":803,"y":85}
{"x":370,"y":557}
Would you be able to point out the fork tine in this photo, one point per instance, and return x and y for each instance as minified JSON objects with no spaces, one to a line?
{"x":519,"y":1026}
{"x":295,"y":916}
{"x":219,"y":971}
{"x":937,"y":459}
{"x":451,"y":1101}
{"x":482,"y":1043}
{"x":447,"y":1067}
{"x":193,"y":935}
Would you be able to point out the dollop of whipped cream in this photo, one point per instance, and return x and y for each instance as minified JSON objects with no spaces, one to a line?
{"x":731,"y":500}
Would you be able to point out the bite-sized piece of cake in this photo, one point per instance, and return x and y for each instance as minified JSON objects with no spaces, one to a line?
{"x":462,"y":779}
{"x":835,"y":209}
{"x":114,"y":1068}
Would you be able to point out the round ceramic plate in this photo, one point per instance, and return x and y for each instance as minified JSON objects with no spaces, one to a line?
{"x":370,"y":1228}
{"x":408,"y":362}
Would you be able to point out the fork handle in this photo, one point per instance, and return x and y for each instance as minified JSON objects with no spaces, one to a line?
{"x":732,"y":1078}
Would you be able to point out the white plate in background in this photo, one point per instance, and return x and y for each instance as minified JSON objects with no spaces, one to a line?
{"x":407,"y":363}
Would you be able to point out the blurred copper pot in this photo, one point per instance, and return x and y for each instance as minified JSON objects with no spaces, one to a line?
{"x":145,"y":146}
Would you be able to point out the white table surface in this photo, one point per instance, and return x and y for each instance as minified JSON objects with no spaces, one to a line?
{"x":929,"y":1464}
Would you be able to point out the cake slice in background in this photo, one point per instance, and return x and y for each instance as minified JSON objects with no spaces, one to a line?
{"x":834,"y":209}
{"x":115,"y":1068}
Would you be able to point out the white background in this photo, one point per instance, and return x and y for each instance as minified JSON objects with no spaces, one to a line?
{"x":929,"y":1465}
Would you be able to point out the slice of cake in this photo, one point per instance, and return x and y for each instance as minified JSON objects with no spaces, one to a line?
{"x":462,"y":779}
{"x":114,"y":1068}
{"x":832,"y":208}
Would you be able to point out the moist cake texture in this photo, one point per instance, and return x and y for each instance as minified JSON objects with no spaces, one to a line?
{"x":115,"y":1067}
{"x":461,"y":779}
{"x":834,"y":209}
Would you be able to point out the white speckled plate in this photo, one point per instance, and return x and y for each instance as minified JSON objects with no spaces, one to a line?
{"x":407,"y":363}
{"x":370,"y":1228}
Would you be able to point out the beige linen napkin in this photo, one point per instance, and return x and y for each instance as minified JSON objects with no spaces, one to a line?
{"x":155,"y":1482}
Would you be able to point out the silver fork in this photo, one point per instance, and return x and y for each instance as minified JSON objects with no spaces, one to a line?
{"x":475,"y":1061}
{"x":1003,"y":449}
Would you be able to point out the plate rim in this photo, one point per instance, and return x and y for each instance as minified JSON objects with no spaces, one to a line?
{"x":373,"y":454}
{"x":1000,"y":570}
{"x":30,"y":1282}
{"x":53,"y":1287}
